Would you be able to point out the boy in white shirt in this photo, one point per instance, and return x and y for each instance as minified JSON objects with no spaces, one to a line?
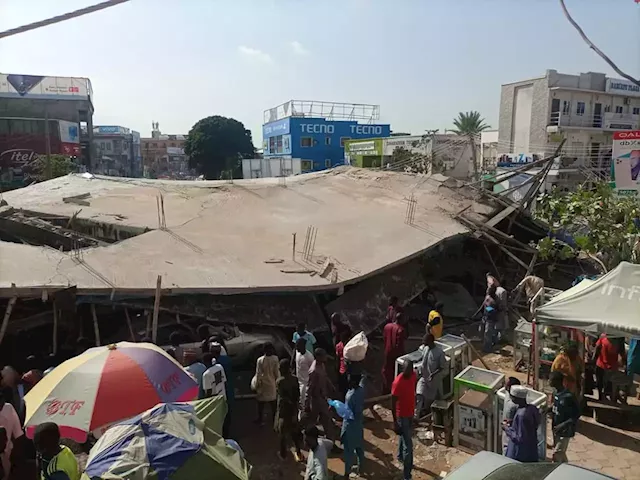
{"x":214,"y":378}
{"x":303,"y":359}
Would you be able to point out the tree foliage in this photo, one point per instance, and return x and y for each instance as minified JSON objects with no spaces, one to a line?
{"x":470,"y":125}
{"x":595,"y":222}
{"x":61,"y":165}
{"x":216,"y":146}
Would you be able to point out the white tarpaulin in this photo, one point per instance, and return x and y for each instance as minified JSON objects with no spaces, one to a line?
{"x":610,"y":304}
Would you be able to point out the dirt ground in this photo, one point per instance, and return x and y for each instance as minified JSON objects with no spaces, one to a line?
{"x":432,"y":460}
{"x":381,"y":444}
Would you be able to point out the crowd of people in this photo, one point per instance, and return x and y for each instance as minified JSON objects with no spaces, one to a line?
{"x":295,"y":395}
{"x":21,"y":458}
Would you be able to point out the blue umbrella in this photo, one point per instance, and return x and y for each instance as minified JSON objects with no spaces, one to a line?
{"x":168,"y":442}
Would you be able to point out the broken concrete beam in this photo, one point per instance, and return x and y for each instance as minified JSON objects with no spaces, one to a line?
{"x":78,"y":199}
{"x":297,"y":270}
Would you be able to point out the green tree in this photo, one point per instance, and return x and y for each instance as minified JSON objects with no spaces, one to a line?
{"x":216,"y":145}
{"x":470,"y":125}
{"x":604,"y":226}
{"x":61,"y":165}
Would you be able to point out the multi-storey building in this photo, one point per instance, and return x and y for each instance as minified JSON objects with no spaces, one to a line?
{"x":163,"y":155}
{"x":117,"y":151}
{"x":315,"y":132}
{"x":584,"y":110}
{"x":40,"y":115}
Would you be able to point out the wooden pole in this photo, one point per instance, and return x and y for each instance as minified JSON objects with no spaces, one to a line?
{"x":55,"y":328}
{"x":147,"y":316}
{"x":7,"y":314}
{"x":156,"y":309}
{"x":96,"y":328}
{"x":133,"y":335}
{"x":293,"y":254}
{"x":475,"y":352}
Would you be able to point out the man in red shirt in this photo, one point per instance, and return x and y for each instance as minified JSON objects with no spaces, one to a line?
{"x":394,"y":336}
{"x":606,"y":355}
{"x":403,"y":402}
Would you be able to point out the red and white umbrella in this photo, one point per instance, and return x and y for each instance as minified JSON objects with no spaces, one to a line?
{"x":105,"y":385}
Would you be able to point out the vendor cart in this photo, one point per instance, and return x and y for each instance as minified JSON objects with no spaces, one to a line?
{"x":416,"y":357}
{"x":458,"y":355}
{"x":475,"y":407}
{"x":537,"y":399}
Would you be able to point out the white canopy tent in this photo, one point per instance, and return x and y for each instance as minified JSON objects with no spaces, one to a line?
{"x":609,"y":304}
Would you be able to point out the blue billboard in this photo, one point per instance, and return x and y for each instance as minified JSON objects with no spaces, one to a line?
{"x":317,"y":141}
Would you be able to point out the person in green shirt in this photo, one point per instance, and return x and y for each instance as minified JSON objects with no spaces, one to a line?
{"x":55,"y":461}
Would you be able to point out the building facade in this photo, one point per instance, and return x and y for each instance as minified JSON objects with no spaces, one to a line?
{"x":316,"y":132}
{"x":118,"y":151}
{"x":584,"y":110}
{"x":163,"y":155}
{"x":40,"y":115}
{"x":489,"y":150}
{"x":270,"y":167}
{"x":451,"y":154}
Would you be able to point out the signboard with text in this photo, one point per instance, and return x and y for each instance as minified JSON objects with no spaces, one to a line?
{"x":622,"y":87}
{"x":625,"y":162}
{"x":414,"y":144}
{"x":38,"y":86}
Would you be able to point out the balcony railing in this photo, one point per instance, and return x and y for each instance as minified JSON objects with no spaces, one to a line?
{"x":607,"y":121}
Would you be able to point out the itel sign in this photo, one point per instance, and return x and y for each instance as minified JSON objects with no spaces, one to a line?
{"x":17,"y":158}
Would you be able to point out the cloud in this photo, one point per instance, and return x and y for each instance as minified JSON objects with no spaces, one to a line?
{"x":298,"y":48}
{"x":256,"y":54}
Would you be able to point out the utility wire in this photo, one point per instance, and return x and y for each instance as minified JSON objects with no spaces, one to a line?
{"x":593,"y":47}
{"x":61,"y":18}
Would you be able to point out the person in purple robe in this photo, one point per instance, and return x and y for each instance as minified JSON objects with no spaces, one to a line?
{"x":522,"y":432}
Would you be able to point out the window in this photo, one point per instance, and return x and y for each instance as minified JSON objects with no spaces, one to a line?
{"x":342,"y":140}
{"x":102,"y":146}
{"x":580,"y":108}
{"x":327,"y":163}
{"x":618,"y":108}
{"x":173,"y":144}
{"x":306,"y":165}
{"x":566,"y":107}
{"x":327,"y":140}
{"x":607,"y":108}
{"x":306,"y":142}
{"x":108,"y":146}
{"x":154,"y":145}
{"x":636,"y":110}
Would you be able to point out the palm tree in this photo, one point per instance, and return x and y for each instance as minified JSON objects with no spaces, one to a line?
{"x":470,"y":125}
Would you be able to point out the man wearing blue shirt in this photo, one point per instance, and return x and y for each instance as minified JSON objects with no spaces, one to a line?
{"x":302,"y":332}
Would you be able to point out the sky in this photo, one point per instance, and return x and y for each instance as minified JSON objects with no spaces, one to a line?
{"x":422,"y":61}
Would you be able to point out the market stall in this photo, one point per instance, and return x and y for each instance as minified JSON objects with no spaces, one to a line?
{"x":610,"y":304}
{"x":537,"y":399}
{"x":457,"y":356}
{"x":475,"y":408}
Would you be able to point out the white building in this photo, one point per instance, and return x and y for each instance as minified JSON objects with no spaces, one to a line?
{"x":271,"y":167}
{"x":585,"y":109}
{"x":489,"y":150}
{"x":118,"y":151}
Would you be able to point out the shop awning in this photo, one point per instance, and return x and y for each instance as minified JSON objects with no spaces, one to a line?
{"x":609,"y":304}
